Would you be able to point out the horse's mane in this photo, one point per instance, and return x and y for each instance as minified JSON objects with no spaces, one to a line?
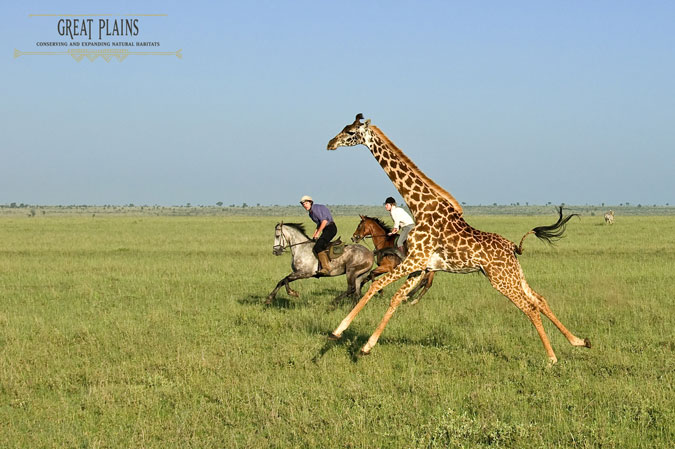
{"x":298,"y":227}
{"x":383,"y":225}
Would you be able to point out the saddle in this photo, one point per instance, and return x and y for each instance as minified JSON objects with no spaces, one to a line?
{"x":390,"y":251}
{"x":336,"y":248}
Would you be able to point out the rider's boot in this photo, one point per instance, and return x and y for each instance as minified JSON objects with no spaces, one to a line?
{"x":325,"y":263}
{"x":401,"y":252}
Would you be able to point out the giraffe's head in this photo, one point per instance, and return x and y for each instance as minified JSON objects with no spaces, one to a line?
{"x":352,"y":134}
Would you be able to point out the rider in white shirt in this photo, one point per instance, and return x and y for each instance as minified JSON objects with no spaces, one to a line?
{"x":403,"y":223}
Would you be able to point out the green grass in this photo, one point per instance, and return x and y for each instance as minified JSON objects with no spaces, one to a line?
{"x":151,"y":332}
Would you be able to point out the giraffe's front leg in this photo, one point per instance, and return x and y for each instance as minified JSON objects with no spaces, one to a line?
{"x":374,"y":288}
{"x":337,"y":333}
{"x":400,"y":295}
{"x":400,"y":271}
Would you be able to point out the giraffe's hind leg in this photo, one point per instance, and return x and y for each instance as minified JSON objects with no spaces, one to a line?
{"x":508,"y":282}
{"x":546,"y":310}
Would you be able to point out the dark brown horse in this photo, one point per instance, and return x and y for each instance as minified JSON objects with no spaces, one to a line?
{"x":386,"y":257}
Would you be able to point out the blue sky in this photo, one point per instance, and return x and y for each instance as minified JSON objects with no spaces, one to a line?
{"x":498,"y":102}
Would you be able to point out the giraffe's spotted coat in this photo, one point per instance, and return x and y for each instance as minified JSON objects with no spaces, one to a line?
{"x":442,"y":240}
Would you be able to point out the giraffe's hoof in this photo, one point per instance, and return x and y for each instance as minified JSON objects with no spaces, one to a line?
{"x":364,"y":352}
{"x":587,"y":343}
{"x":334,"y":337}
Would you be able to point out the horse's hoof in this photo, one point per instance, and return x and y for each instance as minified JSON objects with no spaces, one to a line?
{"x":294,"y":294}
{"x":269,"y":300}
{"x":587,"y":343}
{"x":334,"y":337}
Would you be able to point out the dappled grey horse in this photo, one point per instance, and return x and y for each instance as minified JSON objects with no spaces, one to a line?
{"x":356,"y":261}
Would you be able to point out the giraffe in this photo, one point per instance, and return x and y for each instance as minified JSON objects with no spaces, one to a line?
{"x":442,"y":241}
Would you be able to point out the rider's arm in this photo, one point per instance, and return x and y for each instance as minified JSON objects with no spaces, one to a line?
{"x":397,"y":220}
{"x":319,"y":230}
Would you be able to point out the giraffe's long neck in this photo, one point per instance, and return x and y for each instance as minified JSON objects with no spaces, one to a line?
{"x":416,"y":188}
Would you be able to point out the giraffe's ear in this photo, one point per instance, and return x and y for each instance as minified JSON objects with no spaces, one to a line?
{"x":367,"y":123}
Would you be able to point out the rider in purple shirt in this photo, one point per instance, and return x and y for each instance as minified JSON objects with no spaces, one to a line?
{"x":325,"y":230}
{"x":319,"y":213}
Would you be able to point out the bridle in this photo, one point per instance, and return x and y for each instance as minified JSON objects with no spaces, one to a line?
{"x":363,"y":237}
{"x":284,"y":242}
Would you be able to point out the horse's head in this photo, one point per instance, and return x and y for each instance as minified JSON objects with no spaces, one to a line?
{"x":362,"y":230}
{"x":352,"y":134}
{"x":280,"y":241}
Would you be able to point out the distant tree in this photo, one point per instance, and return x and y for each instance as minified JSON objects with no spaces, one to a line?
{"x":219,"y":204}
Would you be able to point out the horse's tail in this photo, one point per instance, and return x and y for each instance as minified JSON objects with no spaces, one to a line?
{"x":550,"y":233}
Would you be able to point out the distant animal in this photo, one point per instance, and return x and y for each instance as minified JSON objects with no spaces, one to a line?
{"x":356,"y":261}
{"x":443,"y":241}
{"x":386,"y":258}
{"x":609,"y":217}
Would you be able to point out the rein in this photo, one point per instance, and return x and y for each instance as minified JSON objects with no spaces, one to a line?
{"x":370,"y":236}
{"x":285,"y":243}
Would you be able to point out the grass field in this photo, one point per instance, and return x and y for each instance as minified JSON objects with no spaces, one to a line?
{"x":151,"y":332}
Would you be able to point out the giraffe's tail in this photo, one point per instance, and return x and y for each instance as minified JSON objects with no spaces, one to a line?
{"x":550,"y":233}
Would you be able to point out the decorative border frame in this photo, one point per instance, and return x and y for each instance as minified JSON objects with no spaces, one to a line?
{"x":107,"y":54}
